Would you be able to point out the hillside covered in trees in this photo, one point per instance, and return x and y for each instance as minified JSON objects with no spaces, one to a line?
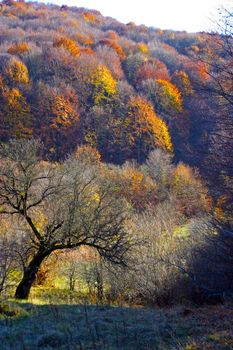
{"x":71,"y":76}
{"x":116,"y":172}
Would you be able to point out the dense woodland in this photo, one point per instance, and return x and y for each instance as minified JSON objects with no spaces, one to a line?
{"x":115,"y":158}
{"x":71,"y":76}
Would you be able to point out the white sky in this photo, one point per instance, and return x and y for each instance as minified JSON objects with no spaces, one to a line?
{"x":189,"y":15}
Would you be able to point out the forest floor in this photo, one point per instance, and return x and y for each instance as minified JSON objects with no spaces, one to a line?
{"x":44,"y":325}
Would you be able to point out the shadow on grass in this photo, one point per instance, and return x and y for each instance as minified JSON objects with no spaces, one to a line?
{"x":83,"y":327}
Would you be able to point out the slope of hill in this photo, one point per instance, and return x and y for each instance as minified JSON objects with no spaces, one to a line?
{"x":144,"y":229}
{"x":71,"y":76}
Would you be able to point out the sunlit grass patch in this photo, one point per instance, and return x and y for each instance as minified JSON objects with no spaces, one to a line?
{"x":12,"y":310}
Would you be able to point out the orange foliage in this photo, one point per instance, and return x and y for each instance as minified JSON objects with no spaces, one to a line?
{"x":89,"y":17}
{"x":146,"y":122}
{"x":197,"y":69}
{"x":112,"y":35}
{"x":86,"y":50}
{"x":138,"y":189}
{"x":223,"y":208}
{"x":18,"y":3}
{"x":152,"y":69}
{"x":192,"y":196}
{"x":5,"y":225}
{"x":10,"y":15}
{"x":2,"y":85}
{"x":113,"y":45}
{"x":88,"y":153}
{"x":63,"y":111}
{"x":82,"y":254}
{"x":168,"y":97}
{"x":69,"y":45}
{"x":84,"y":39}
{"x":18,"y":48}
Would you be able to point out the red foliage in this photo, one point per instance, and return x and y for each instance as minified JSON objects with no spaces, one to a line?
{"x":152,"y":69}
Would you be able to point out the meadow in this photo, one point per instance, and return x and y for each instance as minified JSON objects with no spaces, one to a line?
{"x":55,"y":320}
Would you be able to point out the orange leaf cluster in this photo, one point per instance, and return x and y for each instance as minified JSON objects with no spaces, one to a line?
{"x":152,"y":69}
{"x":69,"y":45}
{"x":18,"y":48}
{"x":146,"y":121}
{"x":113,"y":45}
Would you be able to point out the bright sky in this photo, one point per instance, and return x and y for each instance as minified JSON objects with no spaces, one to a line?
{"x":189,"y":15}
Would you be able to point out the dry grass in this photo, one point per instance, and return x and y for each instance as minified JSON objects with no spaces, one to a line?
{"x":84,"y":327}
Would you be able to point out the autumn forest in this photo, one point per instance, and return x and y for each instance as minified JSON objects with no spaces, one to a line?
{"x":116,"y":170}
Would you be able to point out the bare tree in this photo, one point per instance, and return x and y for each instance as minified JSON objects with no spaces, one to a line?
{"x":6,"y":262}
{"x":13,"y":252}
{"x":62,"y":206}
{"x":218,"y":60}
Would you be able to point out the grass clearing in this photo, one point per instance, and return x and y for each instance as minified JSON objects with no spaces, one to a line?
{"x":46,"y":325}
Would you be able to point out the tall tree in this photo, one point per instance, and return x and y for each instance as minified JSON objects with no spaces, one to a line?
{"x":62,"y":206}
{"x":218,"y":58}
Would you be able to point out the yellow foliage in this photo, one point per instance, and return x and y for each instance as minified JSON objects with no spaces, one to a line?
{"x":219,"y":213}
{"x":95,"y":197}
{"x":192,"y":346}
{"x":63,"y":14}
{"x":143,"y":48}
{"x":162,"y":133}
{"x":17,"y":113}
{"x":41,"y":220}
{"x":63,"y":112}
{"x":104,"y":84}
{"x":13,"y":97}
{"x":181,"y":232}
{"x":148,"y":122}
{"x":90,"y":138}
{"x":17,"y":72}
{"x":183,"y":174}
{"x":168,"y":96}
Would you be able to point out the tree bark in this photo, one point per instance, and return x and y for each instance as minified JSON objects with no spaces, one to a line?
{"x":29,"y":276}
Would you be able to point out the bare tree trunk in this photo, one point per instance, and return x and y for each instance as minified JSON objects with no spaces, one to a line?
{"x":29,"y":276}
{"x":99,"y":279}
{"x":72,"y":280}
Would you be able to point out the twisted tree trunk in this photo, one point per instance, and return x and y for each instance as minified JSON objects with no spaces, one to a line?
{"x":29,"y":276}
